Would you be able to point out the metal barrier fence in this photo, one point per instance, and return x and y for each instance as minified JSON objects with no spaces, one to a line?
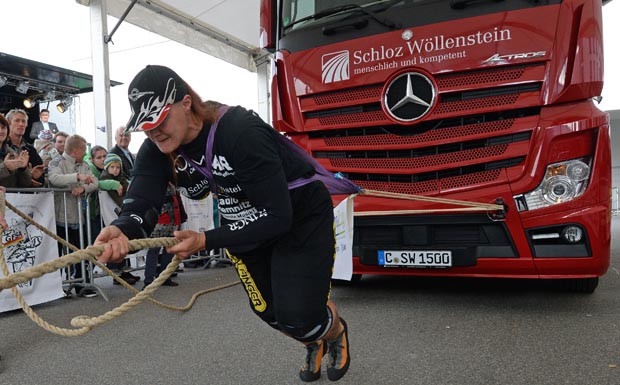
{"x":83,"y":276}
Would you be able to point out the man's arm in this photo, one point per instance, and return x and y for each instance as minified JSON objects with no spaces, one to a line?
{"x":59,"y":179}
{"x":92,"y":186}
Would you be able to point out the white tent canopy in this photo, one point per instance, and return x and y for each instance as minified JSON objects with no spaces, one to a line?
{"x":225,"y":29}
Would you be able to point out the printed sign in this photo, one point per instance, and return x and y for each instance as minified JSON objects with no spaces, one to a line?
{"x":343,"y":226}
{"x":25,"y":246}
{"x":342,"y":65}
{"x":199,"y":213}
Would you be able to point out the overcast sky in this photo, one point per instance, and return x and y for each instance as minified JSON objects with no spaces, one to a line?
{"x":58,"y":32}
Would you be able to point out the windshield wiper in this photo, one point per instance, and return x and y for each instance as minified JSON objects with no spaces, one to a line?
{"x":343,"y":8}
{"x":461,"y":4}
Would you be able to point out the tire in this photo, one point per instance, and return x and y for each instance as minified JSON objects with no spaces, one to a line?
{"x":582,"y":285}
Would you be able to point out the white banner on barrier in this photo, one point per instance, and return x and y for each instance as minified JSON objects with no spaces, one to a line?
{"x":26,"y":246}
{"x":107,"y":207}
{"x":343,"y":225}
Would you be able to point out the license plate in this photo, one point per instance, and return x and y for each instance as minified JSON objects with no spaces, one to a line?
{"x":417,"y":259}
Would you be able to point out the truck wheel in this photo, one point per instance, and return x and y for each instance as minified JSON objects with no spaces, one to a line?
{"x":582,"y":285}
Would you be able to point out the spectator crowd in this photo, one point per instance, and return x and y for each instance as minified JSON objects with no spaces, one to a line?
{"x":49,"y":157}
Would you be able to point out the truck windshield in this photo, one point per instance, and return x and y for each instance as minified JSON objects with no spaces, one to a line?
{"x":296,"y":13}
{"x":310,"y":23}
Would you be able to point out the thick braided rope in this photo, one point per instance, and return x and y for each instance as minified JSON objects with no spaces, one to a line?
{"x":478,"y":205}
{"x":20,"y":299}
{"x":158,"y":242}
{"x":85,"y":323}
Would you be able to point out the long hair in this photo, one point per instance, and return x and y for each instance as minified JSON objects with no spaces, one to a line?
{"x":205,"y":110}
{"x":5,"y":123}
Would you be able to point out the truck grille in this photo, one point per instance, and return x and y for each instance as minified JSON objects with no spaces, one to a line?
{"x":481,"y":126}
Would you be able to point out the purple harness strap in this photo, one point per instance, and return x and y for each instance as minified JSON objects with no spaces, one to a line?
{"x":205,"y":167}
{"x":335,"y":185}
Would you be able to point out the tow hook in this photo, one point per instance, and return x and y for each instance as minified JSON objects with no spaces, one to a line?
{"x":499,"y":215}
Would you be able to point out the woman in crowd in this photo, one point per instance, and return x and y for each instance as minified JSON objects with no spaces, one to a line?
{"x":14,"y":170}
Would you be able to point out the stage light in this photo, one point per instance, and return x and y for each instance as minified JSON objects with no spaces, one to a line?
{"x":30,"y":102}
{"x":3,"y":80}
{"x":22,"y":87}
{"x":64,"y":104}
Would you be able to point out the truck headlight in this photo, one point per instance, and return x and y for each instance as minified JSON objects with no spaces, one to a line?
{"x":563,"y":182}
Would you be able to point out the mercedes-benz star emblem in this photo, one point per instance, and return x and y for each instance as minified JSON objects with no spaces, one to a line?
{"x":409,"y":97}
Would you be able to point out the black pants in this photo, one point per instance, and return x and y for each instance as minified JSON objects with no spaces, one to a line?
{"x":73,"y":237}
{"x":156,"y":262}
{"x":288,"y":282}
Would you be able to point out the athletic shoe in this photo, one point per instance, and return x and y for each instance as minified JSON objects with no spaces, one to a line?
{"x":130,"y":279}
{"x":339,"y":358}
{"x":128,"y":276}
{"x":311,"y":371}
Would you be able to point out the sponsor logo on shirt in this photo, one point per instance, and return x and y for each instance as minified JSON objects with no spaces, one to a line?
{"x":221,"y":167}
{"x":240,"y":224}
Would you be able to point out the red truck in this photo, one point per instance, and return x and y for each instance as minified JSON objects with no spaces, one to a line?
{"x":475,"y":100}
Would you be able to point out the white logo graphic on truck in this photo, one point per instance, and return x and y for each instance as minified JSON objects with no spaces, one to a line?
{"x":335,"y":66}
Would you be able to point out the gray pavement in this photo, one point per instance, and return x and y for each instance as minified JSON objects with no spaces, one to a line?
{"x":403,"y":331}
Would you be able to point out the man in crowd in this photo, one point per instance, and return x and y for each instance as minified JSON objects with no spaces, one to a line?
{"x":122,"y":149}
{"x":59,"y":141}
{"x":42,"y":124}
{"x":18,"y":120}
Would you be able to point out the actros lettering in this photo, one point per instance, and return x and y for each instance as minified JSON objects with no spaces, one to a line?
{"x":513,"y":56}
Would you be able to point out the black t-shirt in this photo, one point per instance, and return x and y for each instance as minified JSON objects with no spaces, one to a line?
{"x":250,"y":167}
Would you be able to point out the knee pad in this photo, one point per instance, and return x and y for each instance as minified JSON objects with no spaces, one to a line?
{"x":309,"y":332}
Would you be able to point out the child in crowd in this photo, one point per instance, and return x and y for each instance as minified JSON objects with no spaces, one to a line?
{"x":112,"y":167}
{"x":106,"y":167}
{"x":69,"y":171}
{"x":45,"y":147}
